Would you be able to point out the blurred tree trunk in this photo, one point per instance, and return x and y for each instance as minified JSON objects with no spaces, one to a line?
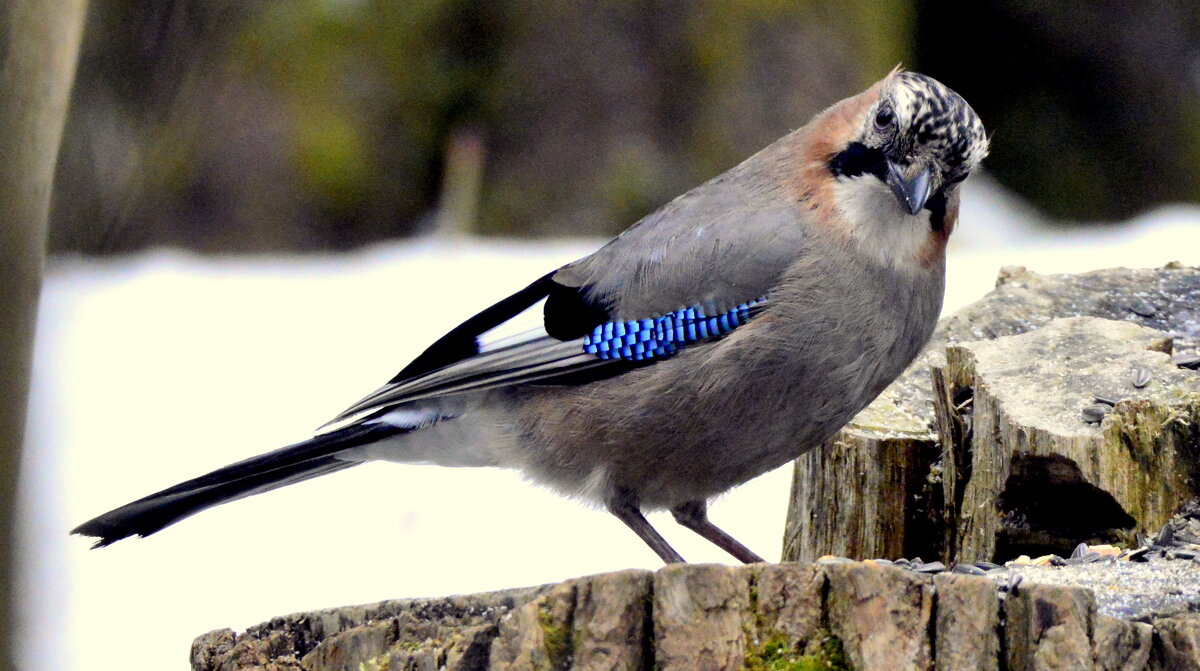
{"x":39,"y":44}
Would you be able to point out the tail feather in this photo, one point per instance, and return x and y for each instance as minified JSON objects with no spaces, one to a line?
{"x":265,"y":472}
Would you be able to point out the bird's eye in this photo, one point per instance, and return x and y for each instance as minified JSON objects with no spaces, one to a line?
{"x":884,"y":119}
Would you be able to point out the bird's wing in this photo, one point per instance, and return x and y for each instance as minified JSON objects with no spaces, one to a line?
{"x":718,"y":245}
{"x":690,"y":272}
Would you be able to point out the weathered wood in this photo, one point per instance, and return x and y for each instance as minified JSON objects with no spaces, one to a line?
{"x":894,"y":481}
{"x":868,"y":494}
{"x":787,"y":616}
{"x":1041,"y":476}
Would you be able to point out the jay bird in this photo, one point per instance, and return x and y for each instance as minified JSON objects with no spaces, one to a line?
{"x":721,"y":336}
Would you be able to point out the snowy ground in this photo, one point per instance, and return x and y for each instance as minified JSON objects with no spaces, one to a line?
{"x":155,"y":368}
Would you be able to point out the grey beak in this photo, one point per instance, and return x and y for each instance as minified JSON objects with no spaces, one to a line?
{"x":911,"y":190}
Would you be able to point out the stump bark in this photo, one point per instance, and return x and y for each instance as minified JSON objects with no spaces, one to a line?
{"x":1020,"y":443}
{"x":831,"y":615}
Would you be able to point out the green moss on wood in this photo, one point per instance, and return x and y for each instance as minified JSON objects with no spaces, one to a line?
{"x":776,"y":653}
{"x":380,"y":663}
{"x":556,"y":636}
{"x":1144,"y":429}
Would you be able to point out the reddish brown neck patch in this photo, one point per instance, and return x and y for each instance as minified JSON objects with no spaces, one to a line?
{"x":816,"y":145}
{"x":934,"y":249}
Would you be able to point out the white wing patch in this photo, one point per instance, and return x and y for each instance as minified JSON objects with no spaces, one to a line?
{"x":410,"y":417}
{"x":526,"y":325}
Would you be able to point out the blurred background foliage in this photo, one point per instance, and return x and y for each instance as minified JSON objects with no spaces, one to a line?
{"x":251,"y":125}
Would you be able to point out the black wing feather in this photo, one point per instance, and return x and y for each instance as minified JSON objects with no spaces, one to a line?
{"x":462,"y":341}
{"x":568,"y":315}
{"x":264,"y":472}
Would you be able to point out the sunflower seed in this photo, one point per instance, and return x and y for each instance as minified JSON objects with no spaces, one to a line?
{"x":931,"y":567}
{"x":1085,"y":558}
{"x":1094,"y":414}
{"x":1140,"y":377}
{"x":1104,"y":400}
{"x":1138,"y":555}
{"x":967,"y":569}
{"x":1191,"y":361}
{"x":1014,"y":579}
{"x":1142,"y":308}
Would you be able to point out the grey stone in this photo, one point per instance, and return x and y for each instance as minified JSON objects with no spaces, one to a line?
{"x":881,"y":615}
{"x":596,"y":623}
{"x":611,"y":622}
{"x":458,"y":628}
{"x":967,"y":627}
{"x":1119,"y":645}
{"x":268,"y":652}
{"x":536,"y":636}
{"x":1176,"y":644}
{"x":592,"y":623}
{"x":699,"y":614}
{"x":1049,"y":628}
{"x":208,"y":649}
{"x":348,"y":649}
{"x":790,"y":601}
{"x":862,"y":615}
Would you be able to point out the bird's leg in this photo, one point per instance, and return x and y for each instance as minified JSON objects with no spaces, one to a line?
{"x":694,"y":515}
{"x":624,"y":505}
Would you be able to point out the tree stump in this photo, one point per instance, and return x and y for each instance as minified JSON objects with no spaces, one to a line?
{"x":960,"y":464}
{"x":831,"y":615}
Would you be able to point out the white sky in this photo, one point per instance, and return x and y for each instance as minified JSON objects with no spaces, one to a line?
{"x":158,"y":367}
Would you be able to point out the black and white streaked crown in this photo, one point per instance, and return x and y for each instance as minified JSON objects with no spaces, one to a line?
{"x":935,"y":120}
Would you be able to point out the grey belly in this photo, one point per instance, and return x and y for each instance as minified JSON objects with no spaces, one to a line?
{"x":687,"y":428}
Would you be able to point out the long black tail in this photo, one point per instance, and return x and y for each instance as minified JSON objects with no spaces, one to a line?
{"x":265,"y":472}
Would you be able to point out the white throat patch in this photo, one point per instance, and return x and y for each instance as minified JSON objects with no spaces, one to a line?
{"x":890,"y":235}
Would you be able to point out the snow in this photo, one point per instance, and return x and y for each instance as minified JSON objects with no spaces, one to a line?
{"x":154,"y":368}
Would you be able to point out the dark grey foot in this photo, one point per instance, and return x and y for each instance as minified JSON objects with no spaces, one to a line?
{"x":625,"y":506}
{"x":694,"y":515}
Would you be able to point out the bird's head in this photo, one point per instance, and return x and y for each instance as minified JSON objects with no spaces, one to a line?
{"x":918,"y":137}
{"x":883,"y":168}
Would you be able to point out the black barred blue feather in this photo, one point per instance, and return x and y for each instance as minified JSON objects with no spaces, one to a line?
{"x":638,"y":340}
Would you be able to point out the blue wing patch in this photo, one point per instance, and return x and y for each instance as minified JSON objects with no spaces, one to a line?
{"x":660,"y":337}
